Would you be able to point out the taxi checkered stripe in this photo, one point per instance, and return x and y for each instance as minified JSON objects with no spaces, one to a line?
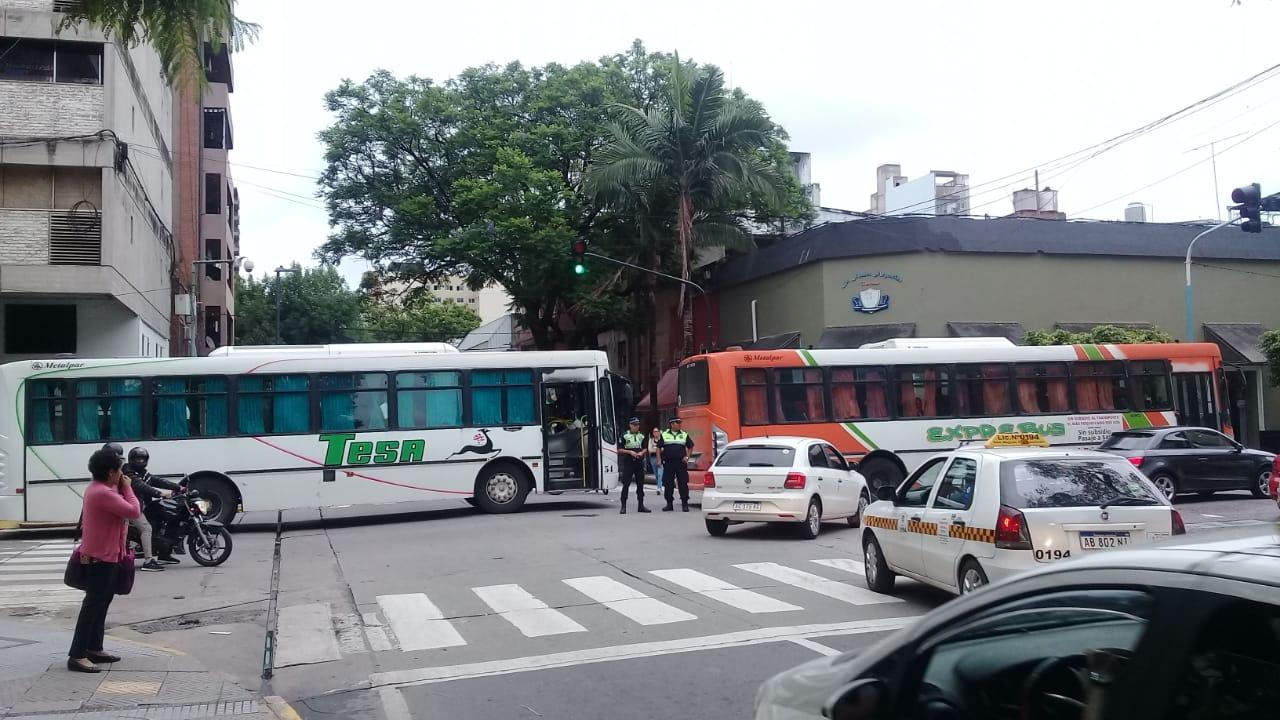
{"x":976,"y":534}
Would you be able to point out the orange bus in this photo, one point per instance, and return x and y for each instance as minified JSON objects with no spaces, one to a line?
{"x":891,"y":405}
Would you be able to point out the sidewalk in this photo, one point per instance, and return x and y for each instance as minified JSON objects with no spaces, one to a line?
{"x":150,"y":683}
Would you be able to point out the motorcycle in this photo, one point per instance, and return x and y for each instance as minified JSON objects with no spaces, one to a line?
{"x":185,"y":515}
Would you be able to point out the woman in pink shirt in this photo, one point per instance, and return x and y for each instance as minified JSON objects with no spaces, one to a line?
{"x":109,"y":504}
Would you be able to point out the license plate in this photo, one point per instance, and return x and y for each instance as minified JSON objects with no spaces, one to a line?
{"x":746,"y":506}
{"x":1103,"y":540}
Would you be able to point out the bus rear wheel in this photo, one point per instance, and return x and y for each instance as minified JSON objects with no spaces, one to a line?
{"x":221,"y":497}
{"x":501,"y":488}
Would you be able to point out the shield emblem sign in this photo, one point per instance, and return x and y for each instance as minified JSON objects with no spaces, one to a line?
{"x":870,"y":297}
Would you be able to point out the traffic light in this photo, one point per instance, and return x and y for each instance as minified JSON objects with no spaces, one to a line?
{"x":579,"y":257}
{"x":1248,"y":201}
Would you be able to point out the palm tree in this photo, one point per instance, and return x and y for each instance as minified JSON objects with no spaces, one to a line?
{"x":176,"y":29}
{"x":706,"y":151}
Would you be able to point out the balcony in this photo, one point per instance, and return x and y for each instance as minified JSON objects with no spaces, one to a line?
{"x":50,"y":237}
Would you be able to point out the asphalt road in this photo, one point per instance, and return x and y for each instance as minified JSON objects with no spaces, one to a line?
{"x":566,"y":610}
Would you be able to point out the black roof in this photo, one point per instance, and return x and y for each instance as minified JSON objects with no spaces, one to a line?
{"x":951,"y":234}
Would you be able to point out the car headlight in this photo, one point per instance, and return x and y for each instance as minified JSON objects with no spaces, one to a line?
{"x":204,"y":506}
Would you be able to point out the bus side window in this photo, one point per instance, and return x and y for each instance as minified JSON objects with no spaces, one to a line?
{"x":1100,"y":386}
{"x":753,"y":389}
{"x":189,"y":407}
{"x":352,"y":401}
{"x":270,"y":404}
{"x":430,"y":399}
{"x":109,"y":410}
{"x":502,"y":397}
{"x":1150,"y":381}
{"x":46,"y":412}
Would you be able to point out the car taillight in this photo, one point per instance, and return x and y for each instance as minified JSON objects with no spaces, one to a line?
{"x":1179,"y":528}
{"x":795,"y":481}
{"x":1011,"y":530}
{"x":709,"y":480}
{"x":1136,"y":461}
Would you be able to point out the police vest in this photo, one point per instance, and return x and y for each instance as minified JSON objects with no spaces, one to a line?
{"x":633,"y":441}
{"x":679,"y":437}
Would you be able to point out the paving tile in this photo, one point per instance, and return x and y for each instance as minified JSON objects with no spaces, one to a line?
{"x":45,"y":706}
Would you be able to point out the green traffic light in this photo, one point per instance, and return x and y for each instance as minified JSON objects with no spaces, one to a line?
{"x":579,"y":269}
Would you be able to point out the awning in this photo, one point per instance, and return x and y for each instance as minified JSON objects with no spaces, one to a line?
{"x":1240,"y":342}
{"x":1080,"y":327}
{"x":773,"y":342}
{"x":1011,"y":330}
{"x":668,"y":387}
{"x":855,"y":336}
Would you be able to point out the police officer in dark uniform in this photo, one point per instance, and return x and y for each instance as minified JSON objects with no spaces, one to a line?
{"x":632,"y":448}
{"x":675,"y":444}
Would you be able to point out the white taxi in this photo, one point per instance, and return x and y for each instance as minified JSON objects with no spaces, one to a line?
{"x":982,"y":513}
{"x":782,"y":479}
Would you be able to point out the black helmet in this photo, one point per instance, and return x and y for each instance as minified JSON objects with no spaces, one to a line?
{"x":138,"y":457}
{"x":116,"y":448}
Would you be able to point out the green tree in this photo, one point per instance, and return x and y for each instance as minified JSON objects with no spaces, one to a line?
{"x":1270,"y":346}
{"x":316,"y":307}
{"x":425,"y":319}
{"x":176,"y":29}
{"x":1101,"y":334}
{"x":711,"y":154}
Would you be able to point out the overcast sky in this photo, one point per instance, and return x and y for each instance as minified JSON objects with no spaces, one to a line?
{"x":986,"y":88}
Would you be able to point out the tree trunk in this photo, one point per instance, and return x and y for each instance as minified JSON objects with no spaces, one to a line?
{"x":537,"y":328}
{"x":684,"y":229}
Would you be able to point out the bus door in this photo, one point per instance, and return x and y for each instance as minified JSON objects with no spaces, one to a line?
{"x":570,"y":429}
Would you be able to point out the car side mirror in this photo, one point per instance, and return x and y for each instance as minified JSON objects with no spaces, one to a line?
{"x":887,"y":493}
{"x":1237,"y":447}
{"x":859,"y":700}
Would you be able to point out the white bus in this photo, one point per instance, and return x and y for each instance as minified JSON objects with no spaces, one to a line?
{"x":268,"y":429}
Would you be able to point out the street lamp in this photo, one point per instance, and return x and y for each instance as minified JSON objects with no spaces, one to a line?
{"x":1191,"y":332}
{"x":235,"y":264}
{"x":279,"y":271}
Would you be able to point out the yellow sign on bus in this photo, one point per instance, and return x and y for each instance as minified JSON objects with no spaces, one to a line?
{"x":1017,"y":440}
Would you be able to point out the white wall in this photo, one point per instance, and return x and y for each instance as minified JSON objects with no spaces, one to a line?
{"x":917,"y":197}
{"x":104,"y":328}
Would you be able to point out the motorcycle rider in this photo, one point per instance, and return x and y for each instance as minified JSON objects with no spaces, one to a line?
{"x":150,"y":490}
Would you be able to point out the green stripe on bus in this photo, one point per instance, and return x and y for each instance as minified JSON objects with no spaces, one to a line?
{"x":808,"y":358}
{"x":1137,"y":420}
{"x":861,"y":436}
{"x":1092,"y":352}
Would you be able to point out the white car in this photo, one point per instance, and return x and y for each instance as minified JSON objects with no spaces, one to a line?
{"x":782,"y":479}
{"x":980,"y":514}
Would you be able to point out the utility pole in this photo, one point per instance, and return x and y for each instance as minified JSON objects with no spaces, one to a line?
{"x":279,"y":293}
{"x":1213,"y":161}
{"x":233,"y":265}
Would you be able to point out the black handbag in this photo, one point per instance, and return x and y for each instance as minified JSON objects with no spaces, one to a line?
{"x":76,"y":576}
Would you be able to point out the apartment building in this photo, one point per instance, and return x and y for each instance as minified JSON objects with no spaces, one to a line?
{"x":207,"y":212}
{"x":86,"y":191}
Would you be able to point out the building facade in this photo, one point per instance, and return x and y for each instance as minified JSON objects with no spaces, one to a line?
{"x":207,"y":214}
{"x":940,"y":192}
{"x":847,"y":284}
{"x":86,"y":191}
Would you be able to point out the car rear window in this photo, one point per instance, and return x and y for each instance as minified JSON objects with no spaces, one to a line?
{"x":1126,"y":441}
{"x":756,"y":456}
{"x":1061,"y":483}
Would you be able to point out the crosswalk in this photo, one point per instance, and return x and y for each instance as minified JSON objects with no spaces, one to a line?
{"x":31,"y":574}
{"x":412,"y":622}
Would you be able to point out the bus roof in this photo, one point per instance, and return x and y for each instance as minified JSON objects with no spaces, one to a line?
{"x":965,"y":352}
{"x":336,"y":349}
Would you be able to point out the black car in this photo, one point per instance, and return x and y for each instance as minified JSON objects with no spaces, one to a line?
{"x":1193,"y":459}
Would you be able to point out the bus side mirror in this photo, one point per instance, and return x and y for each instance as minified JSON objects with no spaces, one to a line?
{"x":887,"y":493}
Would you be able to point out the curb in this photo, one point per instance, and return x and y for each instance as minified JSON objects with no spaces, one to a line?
{"x":280,"y":708}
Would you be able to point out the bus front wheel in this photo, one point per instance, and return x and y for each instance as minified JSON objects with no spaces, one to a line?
{"x":501,"y":488}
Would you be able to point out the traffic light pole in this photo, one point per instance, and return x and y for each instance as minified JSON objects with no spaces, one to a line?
{"x":1190,"y":336}
{"x":706,"y":300}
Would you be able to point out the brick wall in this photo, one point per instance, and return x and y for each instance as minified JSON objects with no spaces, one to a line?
{"x":24,"y":237}
{"x":50,"y":109}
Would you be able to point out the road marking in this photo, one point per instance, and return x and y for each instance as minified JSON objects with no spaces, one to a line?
{"x":394,"y":706}
{"x":45,"y":553}
{"x":817,"y":583}
{"x":816,"y":647}
{"x":305,"y":635}
{"x":853,"y":566}
{"x":721,"y":591}
{"x":530,"y":615}
{"x":28,"y":577}
{"x":24,"y":560}
{"x":417,"y":623}
{"x":1212,"y":516}
{"x":757,"y":636}
{"x":627,"y":601}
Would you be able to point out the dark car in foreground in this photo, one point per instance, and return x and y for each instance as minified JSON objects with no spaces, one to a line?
{"x":1193,"y":459}
{"x":1178,"y":630}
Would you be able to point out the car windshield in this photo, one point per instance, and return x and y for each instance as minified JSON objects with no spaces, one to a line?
{"x":756,"y":456}
{"x":1058,"y":483}
{"x":1127,"y":441}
